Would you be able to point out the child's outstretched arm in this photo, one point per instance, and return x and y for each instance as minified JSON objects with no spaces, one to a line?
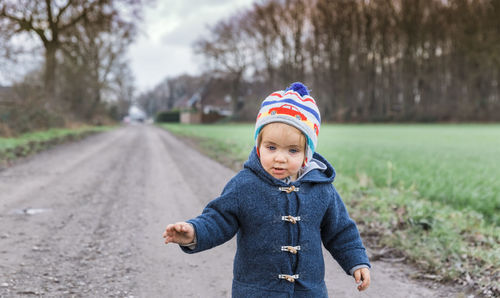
{"x":362,"y":275}
{"x":181,"y":233}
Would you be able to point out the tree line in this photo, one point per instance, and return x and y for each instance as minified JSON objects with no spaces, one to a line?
{"x":84,"y":68}
{"x":365,"y":60}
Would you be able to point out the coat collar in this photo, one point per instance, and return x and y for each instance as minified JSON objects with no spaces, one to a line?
{"x":315,"y":176}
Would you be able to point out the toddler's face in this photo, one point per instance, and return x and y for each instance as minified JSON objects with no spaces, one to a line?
{"x":282,"y":150}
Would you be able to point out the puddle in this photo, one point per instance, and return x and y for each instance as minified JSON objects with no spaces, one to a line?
{"x":30,"y":211}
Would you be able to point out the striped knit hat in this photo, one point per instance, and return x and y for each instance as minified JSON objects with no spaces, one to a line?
{"x":295,"y":107}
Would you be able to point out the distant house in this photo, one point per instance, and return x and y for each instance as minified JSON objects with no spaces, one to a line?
{"x":207,"y":105}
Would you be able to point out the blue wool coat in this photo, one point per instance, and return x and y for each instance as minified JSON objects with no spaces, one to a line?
{"x":268,"y":220}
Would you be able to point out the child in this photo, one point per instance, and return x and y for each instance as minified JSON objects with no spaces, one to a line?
{"x":282,"y":206}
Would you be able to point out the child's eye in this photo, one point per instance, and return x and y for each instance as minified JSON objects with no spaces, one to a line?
{"x":272,"y":148}
{"x":293,"y":151}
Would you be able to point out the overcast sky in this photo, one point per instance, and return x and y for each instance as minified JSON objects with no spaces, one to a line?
{"x":164,"y":48}
{"x":164,"y":45}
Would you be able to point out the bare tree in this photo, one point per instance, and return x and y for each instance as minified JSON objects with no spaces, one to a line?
{"x":229,"y":54}
{"x":370,"y":60}
{"x":259,"y":24}
{"x":92,"y":51}
{"x":50,"y":20}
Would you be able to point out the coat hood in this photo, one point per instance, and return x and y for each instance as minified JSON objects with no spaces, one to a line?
{"x":315,"y":176}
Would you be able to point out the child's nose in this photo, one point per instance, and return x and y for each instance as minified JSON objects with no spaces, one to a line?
{"x":280,"y":156}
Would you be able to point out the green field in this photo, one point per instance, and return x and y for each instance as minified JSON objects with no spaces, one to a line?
{"x":458,"y":165}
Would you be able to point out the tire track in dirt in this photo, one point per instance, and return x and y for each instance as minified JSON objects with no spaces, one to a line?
{"x":62,"y":243}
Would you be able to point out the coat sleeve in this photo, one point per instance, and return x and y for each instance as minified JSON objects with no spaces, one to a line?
{"x":218,"y":222}
{"x":340,"y":235}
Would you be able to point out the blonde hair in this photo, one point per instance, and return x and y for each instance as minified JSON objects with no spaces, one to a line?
{"x":285,"y":130}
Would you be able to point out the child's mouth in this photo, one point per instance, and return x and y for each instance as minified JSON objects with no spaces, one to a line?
{"x":278,"y":170}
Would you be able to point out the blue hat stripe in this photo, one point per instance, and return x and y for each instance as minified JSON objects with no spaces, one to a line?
{"x":310,"y":143}
{"x":257,"y":133}
{"x":294,"y":102}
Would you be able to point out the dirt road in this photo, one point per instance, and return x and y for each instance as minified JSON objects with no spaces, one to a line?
{"x":86,"y":220}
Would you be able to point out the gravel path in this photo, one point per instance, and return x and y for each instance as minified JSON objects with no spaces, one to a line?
{"x":86,"y":220}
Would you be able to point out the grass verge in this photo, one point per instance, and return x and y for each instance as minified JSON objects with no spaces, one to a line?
{"x":30,"y":143}
{"x":397,"y":219}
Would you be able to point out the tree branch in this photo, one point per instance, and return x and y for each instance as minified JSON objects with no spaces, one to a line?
{"x":62,"y":10}
{"x":25,"y":24}
{"x":48,"y":4}
{"x":79,"y":17}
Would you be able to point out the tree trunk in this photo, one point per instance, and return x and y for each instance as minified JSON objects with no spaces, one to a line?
{"x":235,"y":94}
{"x":50,"y":71}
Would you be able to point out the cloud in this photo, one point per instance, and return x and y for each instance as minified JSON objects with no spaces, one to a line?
{"x":152,"y":64}
{"x":194,"y":19}
{"x":170,"y":28}
{"x":188,"y":8}
{"x":183,"y":34}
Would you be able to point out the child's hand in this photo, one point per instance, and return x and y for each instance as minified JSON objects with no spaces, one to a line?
{"x":180,"y":233}
{"x":362,"y":275}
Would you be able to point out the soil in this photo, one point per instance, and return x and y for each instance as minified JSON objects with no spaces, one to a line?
{"x":86,"y":219}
